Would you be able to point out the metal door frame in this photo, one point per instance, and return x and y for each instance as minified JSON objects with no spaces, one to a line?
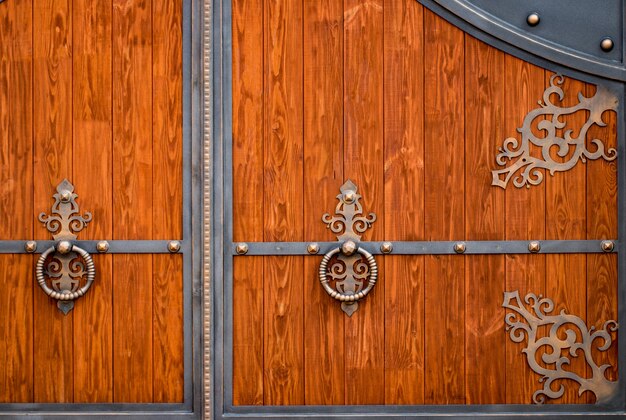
{"x":220,"y":249}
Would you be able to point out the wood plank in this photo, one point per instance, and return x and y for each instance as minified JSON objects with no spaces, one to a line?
{"x":167,"y":215}
{"x":92,"y":122}
{"x":283,"y":285}
{"x":484,"y":220}
{"x":566,"y":219}
{"x":444,"y":210}
{"x":323,"y":175}
{"x":404,"y":202}
{"x":52,"y":98}
{"x":602,"y":224}
{"x":363,"y":164}
{"x":132,"y":199}
{"x":16,"y":201}
{"x":525,"y":220}
{"x":248,"y":200}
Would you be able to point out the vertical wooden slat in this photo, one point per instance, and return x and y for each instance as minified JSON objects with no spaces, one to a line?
{"x":16,"y":201}
{"x":52,"y":98}
{"x":323,"y":175}
{"x":363,"y":154}
{"x":444,"y":212}
{"x":484,"y":220}
{"x":167,"y":199}
{"x":525,"y":220}
{"x":132,"y":198}
{"x":404,"y":200}
{"x":92,"y":120}
{"x":248,"y":200}
{"x":602,"y":224}
{"x":283,"y":284}
{"x":566,"y":219}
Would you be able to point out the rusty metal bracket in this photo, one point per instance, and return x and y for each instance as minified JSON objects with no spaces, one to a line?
{"x":64,"y":266}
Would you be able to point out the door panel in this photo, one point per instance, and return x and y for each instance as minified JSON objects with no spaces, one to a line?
{"x":413,"y":111}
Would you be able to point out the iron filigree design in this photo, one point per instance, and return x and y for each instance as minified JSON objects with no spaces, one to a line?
{"x":567,"y":336}
{"x":529,"y":169}
{"x":65,"y":265}
{"x":351,"y":270}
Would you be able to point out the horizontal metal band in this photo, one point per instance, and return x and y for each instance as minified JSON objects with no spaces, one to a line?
{"x":115,"y":247}
{"x":431,"y":247}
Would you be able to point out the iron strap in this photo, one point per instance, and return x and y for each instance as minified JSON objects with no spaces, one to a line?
{"x":430,"y":247}
{"x":115,"y":246}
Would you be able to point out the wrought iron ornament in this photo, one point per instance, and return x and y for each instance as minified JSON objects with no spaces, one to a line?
{"x":526,"y":169}
{"x":566,"y":333}
{"x":352,"y":269}
{"x":65,"y":264}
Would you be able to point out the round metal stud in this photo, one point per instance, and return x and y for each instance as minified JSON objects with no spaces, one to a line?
{"x":459,"y":247}
{"x":348,"y":248}
{"x":30,"y":246}
{"x":607,"y":44}
{"x":349,"y":196}
{"x":66,"y":196}
{"x":102,"y":246}
{"x":533,"y":19}
{"x":608,"y":246}
{"x":241,"y":248}
{"x":173,"y":246}
{"x":64,"y":247}
{"x":313,"y":248}
{"x":534,"y":247}
{"x":386,"y":248}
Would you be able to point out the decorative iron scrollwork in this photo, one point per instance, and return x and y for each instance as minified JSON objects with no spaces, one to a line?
{"x":567,"y":334}
{"x":528,"y":167}
{"x":65,"y":265}
{"x":352,"y":270}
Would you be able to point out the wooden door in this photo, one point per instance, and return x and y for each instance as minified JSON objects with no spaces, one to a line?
{"x":414,"y":106}
{"x":94,"y":92}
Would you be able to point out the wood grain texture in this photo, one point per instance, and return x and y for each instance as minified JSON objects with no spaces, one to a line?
{"x":602,"y":224}
{"x":566,"y":219}
{"x":404,"y":200}
{"x":167,"y":215}
{"x":484,"y":220}
{"x":283,"y":284}
{"x":323,"y":175}
{"x":444,"y":210}
{"x":363,"y":157}
{"x":16,"y":201}
{"x":92,"y":122}
{"x":52,"y":99}
{"x":132,"y":199}
{"x":248,"y":58}
{"x":525,"y":220}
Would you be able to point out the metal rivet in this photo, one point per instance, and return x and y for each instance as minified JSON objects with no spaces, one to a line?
{"x":241,"y":248}
{"x":533,"y":19}
{"x":607,"y":44}
{"x":65,"y":195}
{"x":349,"y":196}
{"x":102,"y":246}
{"x":386,"y":247}
{"x":64,"y":247}
{"x":173,"y":246}
{"x":459,"y":247}
{"x":608,"y":246}
{"x":30,"y":246}
{"x":313,"y":248}
{"x":348,"y":248}
{"x":534,"y":247}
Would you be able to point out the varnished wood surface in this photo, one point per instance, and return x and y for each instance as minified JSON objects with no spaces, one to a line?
{"x":413,"y":111}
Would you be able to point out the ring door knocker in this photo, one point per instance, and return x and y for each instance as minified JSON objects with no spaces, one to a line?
{"x":65,"y":265}
{"x":344,"y":266}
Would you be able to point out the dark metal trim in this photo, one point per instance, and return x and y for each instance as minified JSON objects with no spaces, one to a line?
{"x":430,"y":247}
{"x":115,"y":247}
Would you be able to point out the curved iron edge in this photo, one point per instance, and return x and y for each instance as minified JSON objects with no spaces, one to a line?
{"x":544,"y":54}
